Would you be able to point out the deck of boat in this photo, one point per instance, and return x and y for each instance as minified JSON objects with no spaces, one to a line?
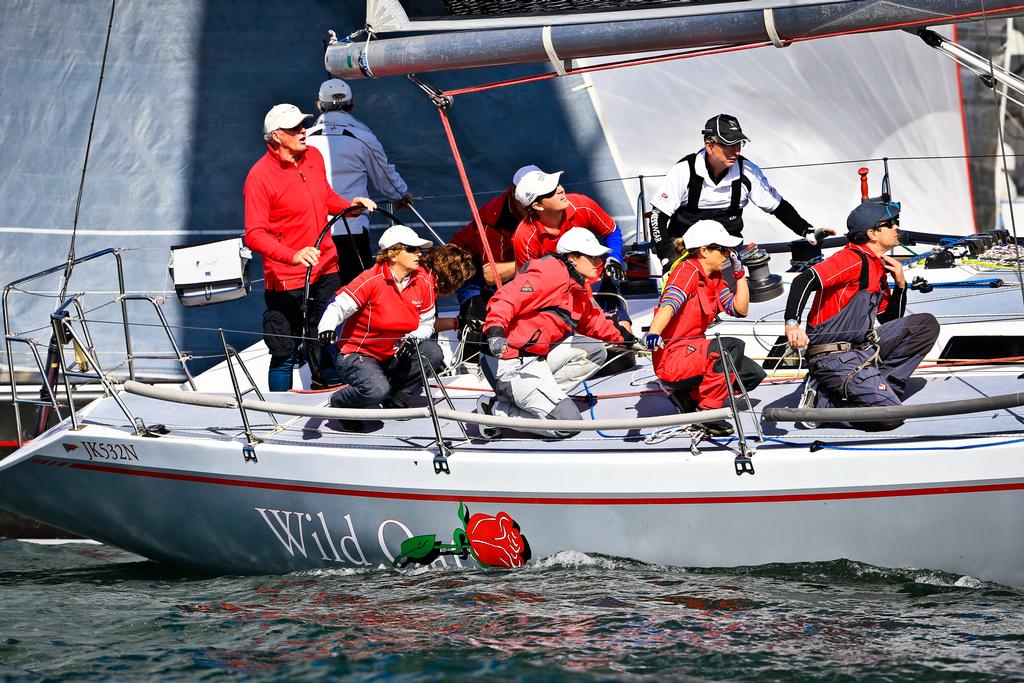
{"x":634,"y":393}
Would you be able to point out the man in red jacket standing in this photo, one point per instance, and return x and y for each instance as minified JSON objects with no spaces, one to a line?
{"x":287,"y":200}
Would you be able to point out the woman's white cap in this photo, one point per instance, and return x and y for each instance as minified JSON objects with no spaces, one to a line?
{"x":401,"y":234}
{"x":705,"y":232}
{"x":580,"y":241}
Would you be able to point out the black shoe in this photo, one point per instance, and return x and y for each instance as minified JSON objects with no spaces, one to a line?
{"x":352,"y":425}
{"x":682,"y":401}
{"x":715,"y":428}
{"x":485,"y":406}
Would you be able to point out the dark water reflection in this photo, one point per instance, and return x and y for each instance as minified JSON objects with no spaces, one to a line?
{"x":81,"y":611}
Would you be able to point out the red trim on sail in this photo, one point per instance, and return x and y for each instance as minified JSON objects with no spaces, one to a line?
{"x":554,"y":500}
{"x":963,"y":123}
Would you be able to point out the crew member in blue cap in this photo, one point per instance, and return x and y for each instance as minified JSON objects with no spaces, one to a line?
{"x":716,"y":183}
{"x":853,"y":362}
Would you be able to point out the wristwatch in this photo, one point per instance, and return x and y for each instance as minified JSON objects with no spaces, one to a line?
{"x":792,"y":323}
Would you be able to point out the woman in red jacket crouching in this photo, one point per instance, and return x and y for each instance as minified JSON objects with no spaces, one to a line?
{"x":529,"y":327}
{"x":384,"y":311}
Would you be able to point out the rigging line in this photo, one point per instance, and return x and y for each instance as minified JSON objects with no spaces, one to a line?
{"x":1002,"y":140}
{"x":70,"y":265}
{"x":469,"y":195}
{"x":812,"y":164}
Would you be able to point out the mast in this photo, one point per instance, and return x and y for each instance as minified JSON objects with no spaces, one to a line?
{"x":563,"y":43}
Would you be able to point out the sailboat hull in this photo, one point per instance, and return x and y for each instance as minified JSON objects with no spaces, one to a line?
{"x":301,"y":507}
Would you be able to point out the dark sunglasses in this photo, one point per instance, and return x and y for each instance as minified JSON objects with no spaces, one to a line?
{"x":294,"y":130}
{"x":891,"y":223}
{"x":549,"y":195}
{"x":412,"y":250}
{"x":719,"y":248}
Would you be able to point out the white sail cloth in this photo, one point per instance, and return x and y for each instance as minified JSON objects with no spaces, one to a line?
{"x":850,"y":98}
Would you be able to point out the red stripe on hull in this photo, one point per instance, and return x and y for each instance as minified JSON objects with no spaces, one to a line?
{"x":532,"y":500}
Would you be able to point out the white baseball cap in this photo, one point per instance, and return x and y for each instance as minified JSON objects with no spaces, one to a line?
{"x":705,"y":232}
{"x":580,"y":241}
{"x":401,"y":234}
{"x":523,"y":171}
{"x":282,"y":116}
{"x":535,"y":184}
{"x":335,"y":91}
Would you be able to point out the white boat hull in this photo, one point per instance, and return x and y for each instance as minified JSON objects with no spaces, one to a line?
{"x":302,"y":507}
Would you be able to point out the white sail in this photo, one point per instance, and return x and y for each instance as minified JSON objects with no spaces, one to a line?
{"x":857,"y":97}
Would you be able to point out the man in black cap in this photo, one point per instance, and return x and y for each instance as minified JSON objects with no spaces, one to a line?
{"x":852,"y":362}
{"x":716,"y":183}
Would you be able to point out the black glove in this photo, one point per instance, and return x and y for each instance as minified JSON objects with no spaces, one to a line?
{"x":406,"y":348}
{"x":328,"y":337}
{"x":628,"y":339}
{"x":496,"y":341}
{"x":613,"y":270}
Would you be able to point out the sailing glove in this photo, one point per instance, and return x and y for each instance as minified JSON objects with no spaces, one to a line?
{"x":653,"y":341}
{"x":613,"y":270}
{"x":815,"y":236}
{"x":406,"y":347}
{"x":737,"y":266}
{"x":496,"y":341}
{"x":328,"y":337}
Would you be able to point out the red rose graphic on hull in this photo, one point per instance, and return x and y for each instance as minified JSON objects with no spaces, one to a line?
{"x":496,"y":541}
{"x":492,"y":540}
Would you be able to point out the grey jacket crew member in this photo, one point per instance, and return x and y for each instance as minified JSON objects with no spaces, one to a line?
{"x":355,"y":161}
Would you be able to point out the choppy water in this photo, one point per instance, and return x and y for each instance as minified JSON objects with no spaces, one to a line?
{"x":86,"y":611}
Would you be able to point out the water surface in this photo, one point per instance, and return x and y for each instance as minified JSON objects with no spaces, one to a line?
{"x":89,"y":611}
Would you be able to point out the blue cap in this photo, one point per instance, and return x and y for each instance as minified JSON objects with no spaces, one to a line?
{"x":869,"y":214}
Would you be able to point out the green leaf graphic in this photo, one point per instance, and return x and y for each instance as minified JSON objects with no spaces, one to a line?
{"x":418,"y":547}
{"x":463,"y":513}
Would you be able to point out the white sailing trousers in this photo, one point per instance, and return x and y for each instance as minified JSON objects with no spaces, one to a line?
{"x":532,"y":386}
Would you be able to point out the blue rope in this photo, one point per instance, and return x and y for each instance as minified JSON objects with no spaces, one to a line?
{"x":591,"y":400}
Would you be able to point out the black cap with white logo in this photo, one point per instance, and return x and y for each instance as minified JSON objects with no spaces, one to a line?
{"x":725,"y":128}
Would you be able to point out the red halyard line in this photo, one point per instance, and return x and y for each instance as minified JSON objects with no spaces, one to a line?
{"x":689,"y":500}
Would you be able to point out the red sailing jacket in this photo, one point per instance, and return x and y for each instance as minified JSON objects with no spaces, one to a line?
{"x":499,"y":237}
{"x":386,"y":313}
{"x":543,"y":305}
{"x":286,"y":206}
{"x":704,"y":297}
{"x":840,"y":282}
{"x":532,"y":240}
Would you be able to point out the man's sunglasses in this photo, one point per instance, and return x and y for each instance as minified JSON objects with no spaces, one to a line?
{"x":719,"y":248}
{"x":294,"y":130}
{"x":412,"y":250}
{"x":891,"y":223}
{"x":722,"y":143}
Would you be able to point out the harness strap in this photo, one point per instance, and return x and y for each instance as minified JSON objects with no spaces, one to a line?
{"x":873,"y":360}
{"x":694,"y":185}
{"x":737,"y":188}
